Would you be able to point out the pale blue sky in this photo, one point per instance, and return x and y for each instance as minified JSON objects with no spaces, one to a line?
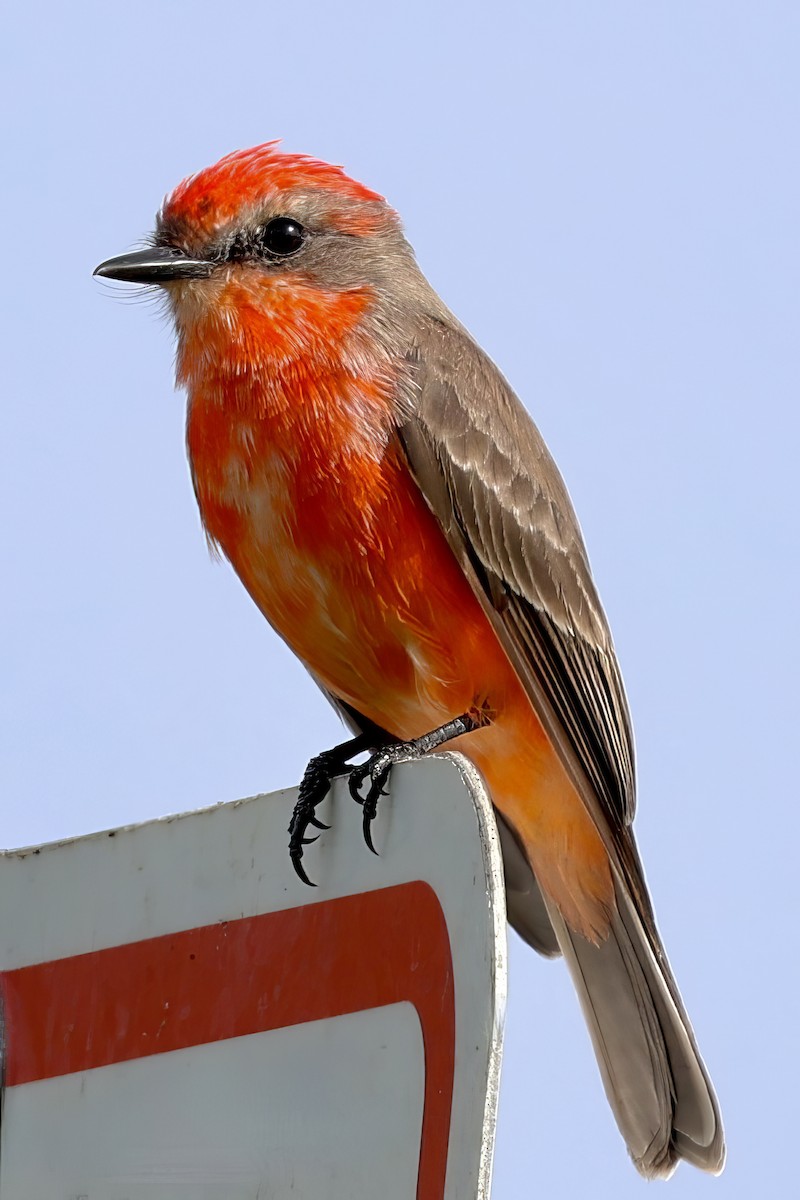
{"x":608,"y":196}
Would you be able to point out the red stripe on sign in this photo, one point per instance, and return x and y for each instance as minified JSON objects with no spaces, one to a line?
{"x":232,"y":979}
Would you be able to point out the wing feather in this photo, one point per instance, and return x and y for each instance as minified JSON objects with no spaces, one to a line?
{"x":486,"y":474}
{"x":488,"y":477}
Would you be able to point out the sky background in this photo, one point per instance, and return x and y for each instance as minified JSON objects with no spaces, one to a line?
{"x":608,"y":196}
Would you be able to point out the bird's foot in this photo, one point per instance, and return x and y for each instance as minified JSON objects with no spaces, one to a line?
{"x":315,"y":785}
{"x":325,"y":767}
{"x":378,"y":767}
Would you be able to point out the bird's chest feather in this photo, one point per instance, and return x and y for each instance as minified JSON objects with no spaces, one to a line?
{"x":308,"y":497}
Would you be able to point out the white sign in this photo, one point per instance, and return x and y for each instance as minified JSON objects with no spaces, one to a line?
{"x":183,"y":1018}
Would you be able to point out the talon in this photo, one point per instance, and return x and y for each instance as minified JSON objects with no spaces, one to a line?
{"x":377,"y":769}
{"x":379,"y":777}
{"x":315,"y":785}
{"x":298,"y":866}
{"x":367,"y":830}
{"x":354,"y":782}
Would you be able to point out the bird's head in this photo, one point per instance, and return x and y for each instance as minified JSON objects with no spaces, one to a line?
{"x":269,"y":255}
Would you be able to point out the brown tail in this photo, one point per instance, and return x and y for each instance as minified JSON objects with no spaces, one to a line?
{"x":654,"y":1077}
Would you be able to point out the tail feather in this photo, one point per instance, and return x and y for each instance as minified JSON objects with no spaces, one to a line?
{"x":654,"y":1077}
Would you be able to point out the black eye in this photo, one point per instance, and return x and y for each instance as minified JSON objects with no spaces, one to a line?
{"x":283,"y":236}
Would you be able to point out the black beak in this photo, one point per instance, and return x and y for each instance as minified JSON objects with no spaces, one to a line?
{"x":159,"y":264}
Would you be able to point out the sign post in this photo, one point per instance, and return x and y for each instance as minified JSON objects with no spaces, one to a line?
{"x":184,"y":1019}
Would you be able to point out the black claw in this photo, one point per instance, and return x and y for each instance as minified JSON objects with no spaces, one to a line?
{"x":302,"y":817}
{"x":371,"y":804}
{"x":354,"y":782}
{"x":298,"y":866}
{"x":367,"y":830}
{"x":313,"y":789}
{"x":322,"y":770}
{"x":315,"y":786}
{"x":376,"y":770}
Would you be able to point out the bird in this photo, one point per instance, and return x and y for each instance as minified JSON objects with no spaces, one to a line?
{"x":393,"y":511}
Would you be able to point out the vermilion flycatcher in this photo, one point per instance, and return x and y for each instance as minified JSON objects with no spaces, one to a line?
{"x":394,"y":513}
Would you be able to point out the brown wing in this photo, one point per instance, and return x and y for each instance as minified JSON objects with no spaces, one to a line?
{"x":487,"y":475}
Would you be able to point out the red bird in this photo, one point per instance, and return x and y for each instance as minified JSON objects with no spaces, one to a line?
{"x":395,"y":515}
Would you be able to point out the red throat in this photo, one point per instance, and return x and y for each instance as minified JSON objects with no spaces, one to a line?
{"x":287,"y":393}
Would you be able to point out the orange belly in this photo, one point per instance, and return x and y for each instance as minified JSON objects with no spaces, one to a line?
{"x":352,"y":570}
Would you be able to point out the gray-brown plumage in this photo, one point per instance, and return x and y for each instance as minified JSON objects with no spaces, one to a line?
{"x":488,"y":477}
